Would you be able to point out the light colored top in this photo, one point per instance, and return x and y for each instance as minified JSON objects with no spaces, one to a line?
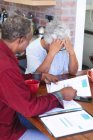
{"x":36,"y":54}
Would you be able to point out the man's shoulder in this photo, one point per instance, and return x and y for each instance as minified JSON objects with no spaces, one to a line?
{"x":6,"y":63}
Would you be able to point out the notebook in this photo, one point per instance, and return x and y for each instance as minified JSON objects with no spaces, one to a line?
{"x":80,"y":83}
{"x":68,"y":123}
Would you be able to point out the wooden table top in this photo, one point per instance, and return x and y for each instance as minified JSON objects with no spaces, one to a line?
{"x":87,"y":106}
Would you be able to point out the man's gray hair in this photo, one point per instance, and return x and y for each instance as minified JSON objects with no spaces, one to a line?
{"x":15,"y":27}
{"x":55,"y":30}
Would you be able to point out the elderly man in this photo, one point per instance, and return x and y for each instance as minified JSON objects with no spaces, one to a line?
{"x":14,"y":94}
{"x":45,"y":55}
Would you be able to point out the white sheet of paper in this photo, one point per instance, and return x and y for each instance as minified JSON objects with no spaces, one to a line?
{"x":68,"y":106}
{"x":80,"y":83}
{"x":68,"y":123}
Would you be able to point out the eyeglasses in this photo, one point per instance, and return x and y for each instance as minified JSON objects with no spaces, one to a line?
{"x":63,"y":49}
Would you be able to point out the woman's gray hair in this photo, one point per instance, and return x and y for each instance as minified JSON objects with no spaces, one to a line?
{"x":15,"y":27}
{"x":55,"y":30}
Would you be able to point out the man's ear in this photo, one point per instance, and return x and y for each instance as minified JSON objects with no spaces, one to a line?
{"x":21,"y":39}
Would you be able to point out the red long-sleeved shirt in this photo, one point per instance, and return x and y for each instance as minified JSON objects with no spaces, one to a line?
{"x":16,"y":97}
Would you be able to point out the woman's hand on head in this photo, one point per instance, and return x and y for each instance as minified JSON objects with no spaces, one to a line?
{"x":56,"y":46}
{"x":68,"y":45}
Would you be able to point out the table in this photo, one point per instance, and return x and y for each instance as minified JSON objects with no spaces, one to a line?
{"x":87,"y":106}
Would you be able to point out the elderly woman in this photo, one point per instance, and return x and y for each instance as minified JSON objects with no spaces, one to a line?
{"x":15,"y":96}
{"x":44,"y":54}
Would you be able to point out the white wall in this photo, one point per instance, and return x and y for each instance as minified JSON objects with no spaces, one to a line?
{"x":79,"y":34}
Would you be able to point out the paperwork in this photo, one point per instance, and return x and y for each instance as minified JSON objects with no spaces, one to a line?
{"x":68,"y":123}
{"x":68,"y":106}
{"x":80,"y":83}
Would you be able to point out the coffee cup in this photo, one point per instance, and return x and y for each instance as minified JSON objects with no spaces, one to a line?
{"x":90,"y":74}
{"x":33,"y":85}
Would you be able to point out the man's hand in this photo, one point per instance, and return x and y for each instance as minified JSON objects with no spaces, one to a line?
{"x":48,"y":78}
{"x":68,"y":93}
